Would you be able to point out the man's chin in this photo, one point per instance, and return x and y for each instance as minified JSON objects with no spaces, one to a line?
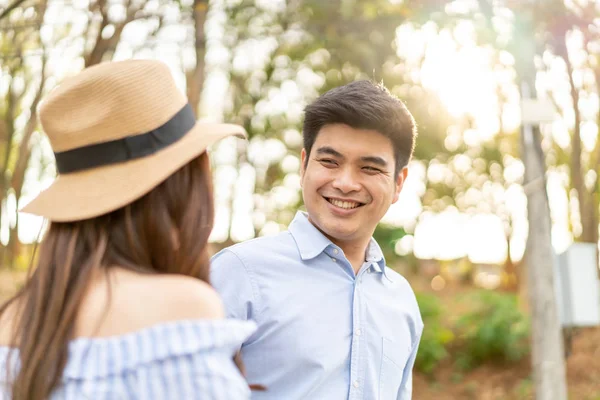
{"x":334,"y":230}
{"x":336,"y":234}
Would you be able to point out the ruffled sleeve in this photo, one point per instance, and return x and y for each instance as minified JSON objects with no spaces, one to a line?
{"x":183,"y":359}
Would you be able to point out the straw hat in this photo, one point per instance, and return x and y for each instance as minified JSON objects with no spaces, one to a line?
{"x":117,"y":129}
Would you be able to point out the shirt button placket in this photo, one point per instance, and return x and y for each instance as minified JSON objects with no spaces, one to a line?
{"x":355,"y":389}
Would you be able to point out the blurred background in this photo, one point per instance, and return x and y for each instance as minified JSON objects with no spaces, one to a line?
{"x":459,"y":230}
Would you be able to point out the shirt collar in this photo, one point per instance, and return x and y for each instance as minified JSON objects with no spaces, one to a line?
{"x":311,"y":242}
{"x":376,"y":258}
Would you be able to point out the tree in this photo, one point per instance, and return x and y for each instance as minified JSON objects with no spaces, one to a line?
{"x":26,"y":85}
{"x":547,"y":342}
{"x":12,"y":6}
{"x":195,"y":76}
{"x":558,"y":21}
{"x":477,"y":180}
{"x":547,"y":360}
{"x":468,"y":165}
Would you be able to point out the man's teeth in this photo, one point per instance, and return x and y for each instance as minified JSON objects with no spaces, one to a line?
{"x":344,"y":204}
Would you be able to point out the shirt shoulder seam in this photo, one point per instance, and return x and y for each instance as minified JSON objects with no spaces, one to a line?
{"x":253,"y":282}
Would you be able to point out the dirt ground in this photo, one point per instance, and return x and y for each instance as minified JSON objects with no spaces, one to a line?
{"x":515,"y":382}
{"x":508,"y":382}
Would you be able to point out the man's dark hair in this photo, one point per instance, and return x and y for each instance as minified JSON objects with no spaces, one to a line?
{"x":363,"y":105}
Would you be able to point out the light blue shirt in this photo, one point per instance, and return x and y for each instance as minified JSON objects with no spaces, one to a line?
{"x":185,"y":360}
{"x":324,"y":332}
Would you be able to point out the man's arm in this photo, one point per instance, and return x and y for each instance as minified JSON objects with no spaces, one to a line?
{"x":231,"y":279}
{"x":405,"y":391}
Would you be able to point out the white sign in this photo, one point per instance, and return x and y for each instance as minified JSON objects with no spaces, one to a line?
{"x":578,"y":286}
{"x":536,"y":111}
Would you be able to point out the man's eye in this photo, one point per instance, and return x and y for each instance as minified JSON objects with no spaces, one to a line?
{"x":327,"y":161}
{"x":371,"y":169}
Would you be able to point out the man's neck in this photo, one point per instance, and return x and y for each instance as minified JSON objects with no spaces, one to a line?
{"x":355,"y":252}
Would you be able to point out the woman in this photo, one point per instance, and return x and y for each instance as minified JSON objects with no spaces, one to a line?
{"x":119,"y":304}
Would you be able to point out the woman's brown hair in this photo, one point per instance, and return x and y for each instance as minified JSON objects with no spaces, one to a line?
{"x":164,"y":232}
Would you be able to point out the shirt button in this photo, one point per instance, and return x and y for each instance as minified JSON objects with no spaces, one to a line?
{"x":333,"y":259}
{"x":355,"y":384}
{"x":335,"y":251}
{"x":358,"y":332}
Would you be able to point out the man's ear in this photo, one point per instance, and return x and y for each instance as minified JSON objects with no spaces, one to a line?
{"x":399,"y":183}
{"x":303,"y":159}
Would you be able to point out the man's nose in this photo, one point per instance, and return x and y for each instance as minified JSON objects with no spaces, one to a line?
{"x":346,"y":181}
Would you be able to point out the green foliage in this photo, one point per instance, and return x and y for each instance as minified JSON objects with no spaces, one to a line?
{"x":436,"y":337}
{"x":495,"y":331}
{"x":457,"y":377}
{"x":387,"y":236}
{"x":524,"y":389}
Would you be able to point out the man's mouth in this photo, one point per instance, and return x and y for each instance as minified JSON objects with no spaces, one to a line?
{"x":345,"y":204}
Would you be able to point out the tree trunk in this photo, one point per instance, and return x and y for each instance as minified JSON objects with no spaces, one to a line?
{"x":547,"y":341}
{"x":24,"y":155}
{"x":589,"y":221}
{"x":9,"y":119}
{"x":97,"y":52}
{"x":511,"y":277}
{"x":103,"y":46}
{"x":6,"y":11}
{"x":13,"y":247}
{"x":547,"y":344}
{"x":195,"y":77}
{"x":595,"y":166}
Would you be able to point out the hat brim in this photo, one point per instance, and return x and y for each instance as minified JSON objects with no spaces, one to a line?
{"x":91,"y":193}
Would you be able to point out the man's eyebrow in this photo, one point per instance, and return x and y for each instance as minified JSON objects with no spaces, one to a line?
{"x":375,"y":160}
{"x":330,"y":151}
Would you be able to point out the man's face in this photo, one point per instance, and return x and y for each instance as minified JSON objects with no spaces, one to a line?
{"x":349,"y":184}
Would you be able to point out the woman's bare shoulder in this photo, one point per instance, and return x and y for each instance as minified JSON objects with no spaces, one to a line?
{"x":184,"y":297}
{"x":138,"y":301}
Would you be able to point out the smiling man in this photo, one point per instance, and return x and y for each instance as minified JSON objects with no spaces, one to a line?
{"x":334,"y":322}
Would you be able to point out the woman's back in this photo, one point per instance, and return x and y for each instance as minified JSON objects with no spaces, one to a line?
{"x":150,"y":337}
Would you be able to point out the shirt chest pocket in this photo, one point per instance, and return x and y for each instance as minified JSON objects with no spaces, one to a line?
{"x":393,"y":360}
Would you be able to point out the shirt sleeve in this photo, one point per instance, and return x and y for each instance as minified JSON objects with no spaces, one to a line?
{"x":405,"y":391}
{"x":231,"y":279}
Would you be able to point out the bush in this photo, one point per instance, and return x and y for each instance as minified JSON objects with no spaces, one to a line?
{"x":435,"y":338}
{"x":495,"y":331}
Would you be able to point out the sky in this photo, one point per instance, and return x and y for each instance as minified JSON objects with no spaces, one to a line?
{"x":454,"y":66}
